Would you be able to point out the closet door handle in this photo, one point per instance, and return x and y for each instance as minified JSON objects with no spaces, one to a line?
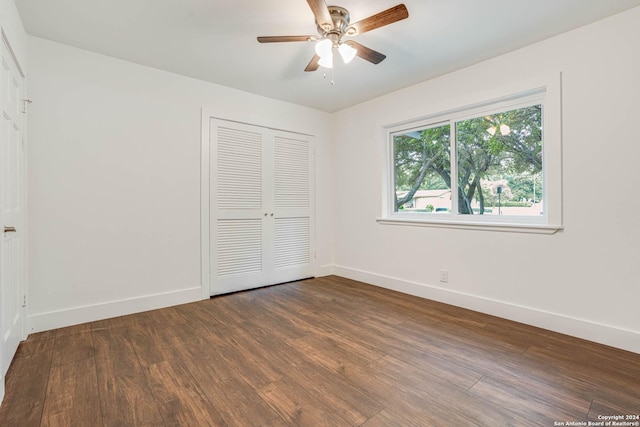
{"x":9,"y":229}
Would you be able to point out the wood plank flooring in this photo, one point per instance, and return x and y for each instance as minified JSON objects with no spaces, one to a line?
{"x":321,"y":352}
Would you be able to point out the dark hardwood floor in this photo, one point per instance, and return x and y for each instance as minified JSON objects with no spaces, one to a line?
{"x":321,"y":352}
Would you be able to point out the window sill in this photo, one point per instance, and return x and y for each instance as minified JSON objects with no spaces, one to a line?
{"x":469,"y":225}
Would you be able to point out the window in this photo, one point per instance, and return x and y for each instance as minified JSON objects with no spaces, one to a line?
{"x":487,"y":165}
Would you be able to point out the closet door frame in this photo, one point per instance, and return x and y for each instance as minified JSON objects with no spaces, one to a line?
{"x":205,"y":193}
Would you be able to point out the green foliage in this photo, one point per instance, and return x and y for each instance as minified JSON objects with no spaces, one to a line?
{"x":513,"y":152}
{"x":523,"y":186}
{"x":413,"y":150}
{"x":419,"y":156}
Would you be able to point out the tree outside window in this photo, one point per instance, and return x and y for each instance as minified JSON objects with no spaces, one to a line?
{"x":497,"y":165}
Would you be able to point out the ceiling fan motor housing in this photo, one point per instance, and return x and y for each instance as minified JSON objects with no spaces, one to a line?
{"x":340,"y":18}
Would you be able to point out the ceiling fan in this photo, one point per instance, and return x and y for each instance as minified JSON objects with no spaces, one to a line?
{"x":333,"y":24}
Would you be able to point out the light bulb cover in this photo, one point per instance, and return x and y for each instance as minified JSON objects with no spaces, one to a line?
{"x":347,"y":52}
{"x":324,"y":48}
{"x":326,"y":61}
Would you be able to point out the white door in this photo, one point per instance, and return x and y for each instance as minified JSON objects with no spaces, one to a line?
{"x":12,"y":296}
{"x":261,"y":206}
{"x":238,"y":208}
{"x":292,"y":201}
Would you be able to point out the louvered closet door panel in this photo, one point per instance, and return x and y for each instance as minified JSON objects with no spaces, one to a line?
{"x":292,"y":206}
{"x":238,"y":235}
{"x":239,"y":246}
{"x":239,"y":169}
{"x":291,"y":242}
{"x":291,"y":169}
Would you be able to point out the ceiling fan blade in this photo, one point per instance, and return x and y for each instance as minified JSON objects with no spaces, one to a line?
{"x":313,"y":64}
{"x":366,"y":53}
{"x":277,"y":39}
{"x":389,"y":16}
{"x":321,"y":12}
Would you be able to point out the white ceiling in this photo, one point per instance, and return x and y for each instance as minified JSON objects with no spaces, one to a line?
{"x":215,"y":40}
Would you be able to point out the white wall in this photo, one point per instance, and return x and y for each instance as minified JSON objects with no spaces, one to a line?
{"x":114,"y":182}
{"x":584,"y":280}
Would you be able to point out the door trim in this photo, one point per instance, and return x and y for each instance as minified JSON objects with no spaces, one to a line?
{"x":205,"y":170}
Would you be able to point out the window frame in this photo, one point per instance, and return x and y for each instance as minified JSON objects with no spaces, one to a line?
{"x":549,"y":96}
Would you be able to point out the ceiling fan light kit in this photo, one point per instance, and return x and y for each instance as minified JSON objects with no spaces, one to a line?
{"x":333,"y":23}
{"x":324,"y":48}
{"x":347,"y":52}
{"x":326,"y":61}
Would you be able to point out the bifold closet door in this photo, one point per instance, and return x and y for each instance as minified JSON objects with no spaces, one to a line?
{"x":261,"y":199}
{"x":292,"y":202}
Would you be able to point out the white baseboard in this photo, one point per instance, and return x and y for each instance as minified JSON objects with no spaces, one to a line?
{"x":73,"y":316}
{"x":580,"y":328}
{"x":324,"y":270}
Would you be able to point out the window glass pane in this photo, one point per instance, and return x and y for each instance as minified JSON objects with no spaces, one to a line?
{"x":422,"y":172}
{"x":500,"y":163}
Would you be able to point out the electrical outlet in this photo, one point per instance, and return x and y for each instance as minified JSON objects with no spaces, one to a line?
{"x":444,"y":276}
